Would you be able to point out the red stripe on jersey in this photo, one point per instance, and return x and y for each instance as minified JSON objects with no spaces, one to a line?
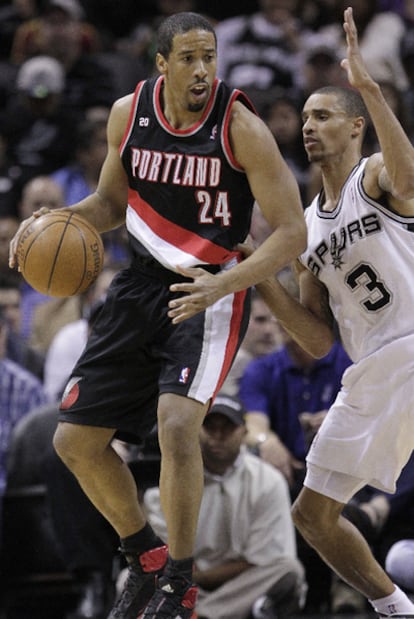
{"x":185,"y":240}
{"x":233,"y":339}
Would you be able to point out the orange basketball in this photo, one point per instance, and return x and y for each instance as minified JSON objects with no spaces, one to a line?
{"x":60,"y":254}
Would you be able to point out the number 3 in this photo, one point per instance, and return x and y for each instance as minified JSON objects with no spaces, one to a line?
{"x":364,"y":275}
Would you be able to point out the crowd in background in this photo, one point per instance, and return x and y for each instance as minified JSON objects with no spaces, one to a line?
{"x":62,"y":65}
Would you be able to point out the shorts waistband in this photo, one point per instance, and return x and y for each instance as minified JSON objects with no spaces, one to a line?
{"x":149,"y":266}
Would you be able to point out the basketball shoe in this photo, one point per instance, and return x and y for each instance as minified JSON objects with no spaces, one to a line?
{"x":173,"y":599}
{"x":139,"y":585}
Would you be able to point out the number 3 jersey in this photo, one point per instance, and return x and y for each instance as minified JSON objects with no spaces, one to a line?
{"x":189,"y":202}
{"x":363,"y":253}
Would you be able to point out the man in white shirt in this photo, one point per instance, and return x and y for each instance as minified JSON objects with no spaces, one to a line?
{"x":245,"y":553}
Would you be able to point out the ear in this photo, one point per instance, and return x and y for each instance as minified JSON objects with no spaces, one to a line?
{"x":359,"y":124}
{"x":161,"y":63}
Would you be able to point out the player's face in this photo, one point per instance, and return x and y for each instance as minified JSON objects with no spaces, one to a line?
{"x":327,"y":130}
{"x":190,"y":69}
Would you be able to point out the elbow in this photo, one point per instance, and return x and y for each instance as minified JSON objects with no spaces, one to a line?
{"x":320,"y":347}
{"x":298,"y":239}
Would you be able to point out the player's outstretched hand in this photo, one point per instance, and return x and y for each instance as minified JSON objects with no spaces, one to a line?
{"x":15,"y":240}
{"x":203,"y":291}
{"x":353,"y":64}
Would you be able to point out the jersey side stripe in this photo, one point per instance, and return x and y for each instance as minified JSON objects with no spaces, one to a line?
{"x":222,"y":322}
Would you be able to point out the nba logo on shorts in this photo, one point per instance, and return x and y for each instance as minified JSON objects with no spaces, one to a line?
{"x":185,"y":373}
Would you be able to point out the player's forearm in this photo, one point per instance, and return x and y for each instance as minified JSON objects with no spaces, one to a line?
{"x":282,"y":247}
{"x":100,"y":212}
{"x":311,"y":332}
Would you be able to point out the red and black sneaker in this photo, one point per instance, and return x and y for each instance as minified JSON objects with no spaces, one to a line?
{"x":140,"y":583}
{"x":173,"y":599}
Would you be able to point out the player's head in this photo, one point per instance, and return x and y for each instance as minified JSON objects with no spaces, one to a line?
{"x":349,"y":99}
{"x":333,"y":118}
{"x":180,"y":23}
{"x":187,"y":60}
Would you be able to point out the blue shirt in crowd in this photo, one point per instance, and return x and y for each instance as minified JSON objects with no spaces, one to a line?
{"x":275,"y":386}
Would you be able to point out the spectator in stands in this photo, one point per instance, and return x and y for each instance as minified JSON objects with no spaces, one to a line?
{"x":20,"y":392}
{"x":60,"y":32}
{"x":245,"y":549}
{"x":13,"y":15}
{"x":260,"y":53}
{"x":379,"y":34}
{"x":17,"y":349}
{"x":284,"y":121}
{"x":80,"y":178}
{"x":39,"y":191}
{"x":60,"y":29}
{"x":39,"y":130}
{"x":70,"y":339}
{"x":10,"y":175}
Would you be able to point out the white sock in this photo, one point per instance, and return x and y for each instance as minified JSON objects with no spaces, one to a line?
{"x":397,"y":602}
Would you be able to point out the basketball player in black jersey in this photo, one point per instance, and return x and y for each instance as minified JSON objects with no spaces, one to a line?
{"x":187,"y":158}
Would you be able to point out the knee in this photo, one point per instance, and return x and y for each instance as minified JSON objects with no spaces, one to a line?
{"x":313,"y":520}
{"x":78,"y":446}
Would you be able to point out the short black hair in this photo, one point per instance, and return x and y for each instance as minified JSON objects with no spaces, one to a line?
{"x":180,"y":23}
{"x":349,"y":99}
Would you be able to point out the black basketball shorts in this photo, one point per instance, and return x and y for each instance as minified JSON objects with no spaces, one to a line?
{"x":134,"y":353}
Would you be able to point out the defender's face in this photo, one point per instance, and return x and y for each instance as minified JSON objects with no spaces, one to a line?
{"x":327,"y":130}
{"x":190,"y":69}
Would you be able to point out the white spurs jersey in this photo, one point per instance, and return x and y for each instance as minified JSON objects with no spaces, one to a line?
{"x":364,"y":254}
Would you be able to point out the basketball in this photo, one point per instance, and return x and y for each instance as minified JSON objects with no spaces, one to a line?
{"x":60,"y":254}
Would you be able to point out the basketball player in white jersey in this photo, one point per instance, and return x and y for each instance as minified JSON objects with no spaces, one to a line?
{"x":359,"y":270}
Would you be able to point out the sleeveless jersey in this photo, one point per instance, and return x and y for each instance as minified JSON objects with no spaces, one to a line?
{"x":189,"y":202}
{"x":364,"y":254}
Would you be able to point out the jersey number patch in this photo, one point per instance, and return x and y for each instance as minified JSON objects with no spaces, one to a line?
{"x":364,"y":275}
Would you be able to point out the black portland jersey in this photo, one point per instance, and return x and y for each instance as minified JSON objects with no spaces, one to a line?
{"x":189,"y":202}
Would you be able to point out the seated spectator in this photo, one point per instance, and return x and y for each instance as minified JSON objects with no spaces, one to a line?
{"x":50,"y":317}
{"x":85,"y":545}
{"x":80,"y":178}
{"x":40,"y":35}
{"x":10,"y":176}
{"x":69,"y":341}
{"x":17,"y":349}
{"x":13,"y":15}
{"x":39,"y":191}
{"x":283,"y":117}
{"x":260,"y":53}
{"x":245,"y":550}
{"x":20,"y":392}
{"x":60,"y":32}
{"x":39,"y":130}
{"x":262,"y":337}
{"x":379,"y":35}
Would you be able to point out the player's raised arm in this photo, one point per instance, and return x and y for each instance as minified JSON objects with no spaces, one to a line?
{"x":393,"y":171}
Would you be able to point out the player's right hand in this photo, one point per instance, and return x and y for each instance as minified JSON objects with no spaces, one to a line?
{"x":15,"y":240}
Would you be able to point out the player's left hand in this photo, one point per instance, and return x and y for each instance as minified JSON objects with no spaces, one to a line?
{"x":353,"y":64}
{"x":203,"y":291}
